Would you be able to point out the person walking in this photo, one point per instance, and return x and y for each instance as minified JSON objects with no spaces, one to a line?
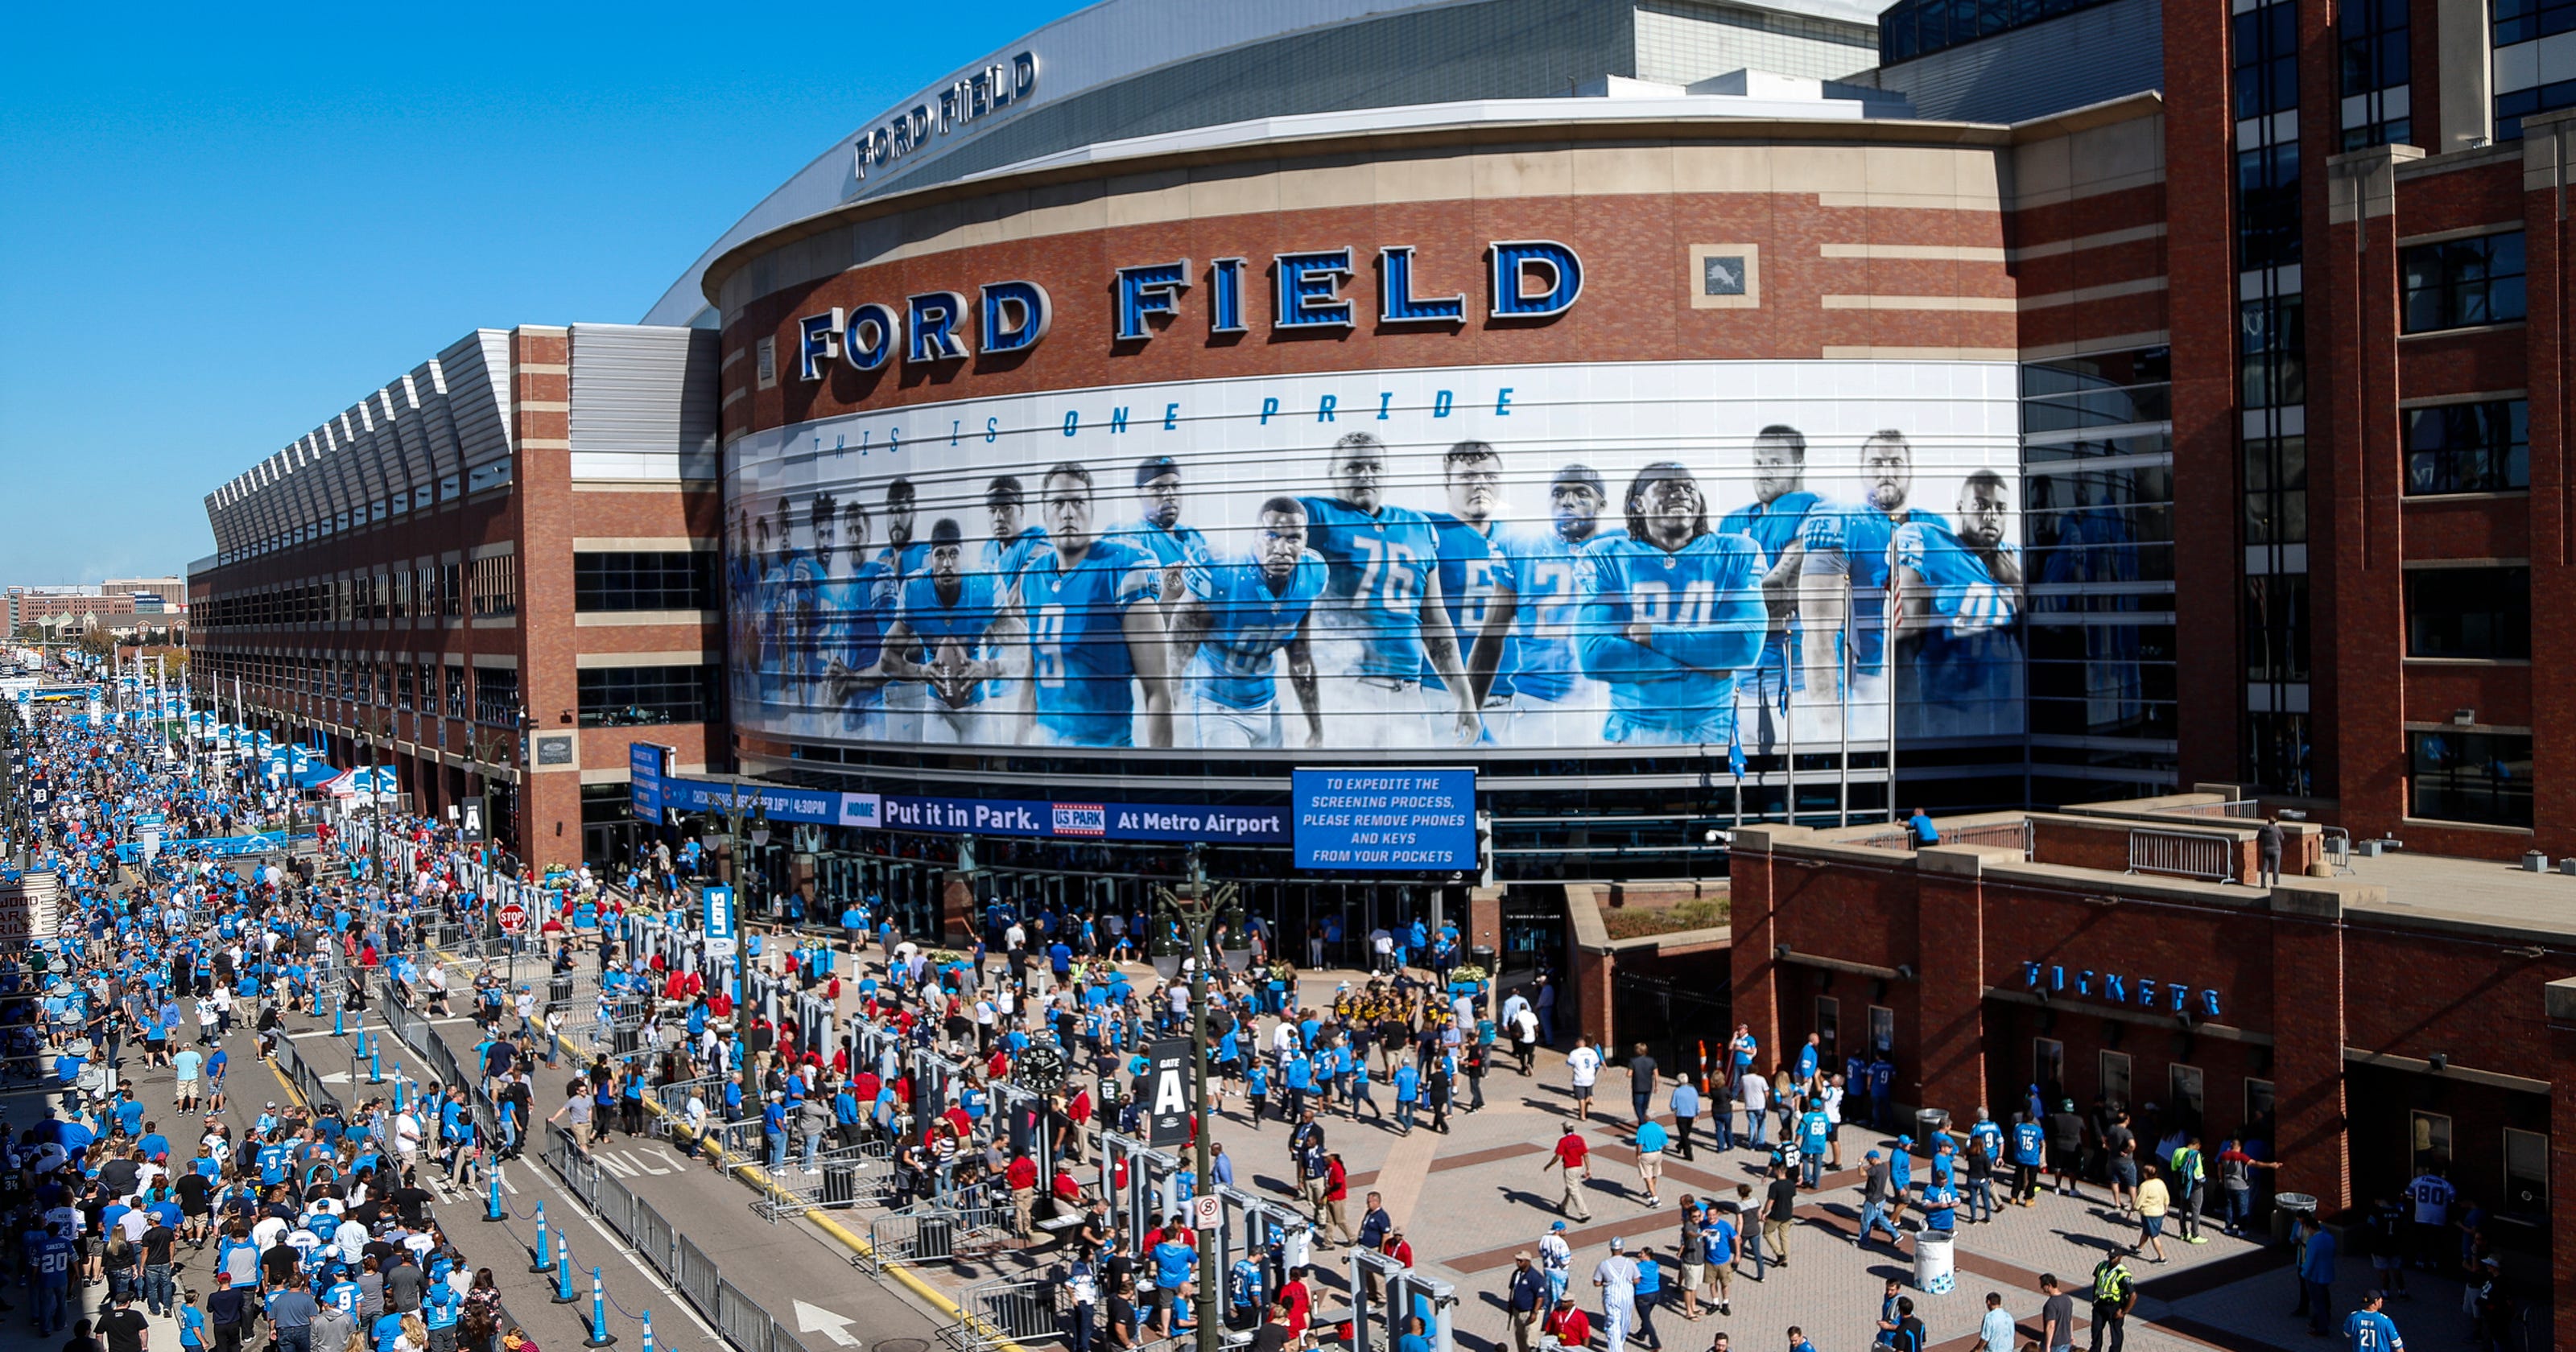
{"x":1525,"y":1295}
{"x":2056,"y":1316}
{"x":2153,"y":1201}
{"x":1685,"y":1106}
{"x":1616,"y":1278}
{"x":1873,"y":1202}
{"x":1582,"y":1068}
{"x":1995,"y":1332}
{"x":1780,"y":1207}
{"x":1574,"y":1156}
{"x":1642,"y":1080}
{"x":2369,"y":1329}
{"x":2115,"y":1291}
{"x":2185,"y":1179}
{"x":1650,"y":1158}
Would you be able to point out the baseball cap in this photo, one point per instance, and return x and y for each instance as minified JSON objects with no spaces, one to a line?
{"x":1905,"y":1140}
{"x":1523,"y":1255}
{"x":1870,"y":1155}
{"x":1559,"y":1225}
{"x":1616,"y":1244}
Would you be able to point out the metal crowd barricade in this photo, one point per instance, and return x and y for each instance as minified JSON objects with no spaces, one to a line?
{"x":918,"y":1234}
{"x":1274,"y":1236}
{"x":1380,"y":1307}
{"x":1152,"y":1190}
{"x":1012,"y":1310}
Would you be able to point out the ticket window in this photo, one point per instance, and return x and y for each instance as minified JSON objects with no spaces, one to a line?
{"x":1882,"y":1032}
{"x":2258,"y":1109}
{"x":2431,"y":1143}
{"x":2112,"y":1071}
{"x":2184,"y":1087}
{"x":2526,"y":1172}
{"x":2048,"y":1066}
{"x":1829,"y":1029}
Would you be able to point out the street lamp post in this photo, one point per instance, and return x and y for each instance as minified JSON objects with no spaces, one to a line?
{"x":1199,"y":909}
{"x":734,"y":814}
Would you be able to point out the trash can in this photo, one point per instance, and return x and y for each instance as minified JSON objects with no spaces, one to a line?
{"x":1483,"y":956}
{"x":1928,"y":1123}
{"x":2287,"y":1208}
{"x":840,"y":1184}
{"x":935,"y":1239}
{"x":627,"y":1040}
{"x":559,"y":990}
{"x":1936,"y":1263}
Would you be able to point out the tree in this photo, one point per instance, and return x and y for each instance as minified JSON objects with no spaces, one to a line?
{"x":97,"y":642}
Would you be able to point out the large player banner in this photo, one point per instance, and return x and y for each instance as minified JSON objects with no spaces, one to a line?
{"x":1706,"y":554}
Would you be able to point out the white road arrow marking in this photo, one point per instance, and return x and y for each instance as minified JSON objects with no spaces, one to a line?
{"x":814,"y":1318}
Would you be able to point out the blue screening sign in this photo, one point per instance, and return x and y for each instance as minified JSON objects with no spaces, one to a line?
{"x":1399,"y":820}
{"x":646,"y":766}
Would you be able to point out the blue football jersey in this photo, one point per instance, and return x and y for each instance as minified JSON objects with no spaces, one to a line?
{"x":1168,"y":548}
{"x":908,"y":562}
{"x":1248,"y":623}
{"x":935,"y":623}
{"x":1971,"y":653}
{"x":1084,"y":674}
{"x":1774,"y":525}
{"x":1002,"y":562}
{"x":1705,"y":603}
{"x":769,"y":599}
{"x":853,"y":613}
{"x":1543,"y":662}
{"x":1377,"y":568}
{"x":1862,"y":535}
{"x":804,"y":656}
{"x":1472,"y":565}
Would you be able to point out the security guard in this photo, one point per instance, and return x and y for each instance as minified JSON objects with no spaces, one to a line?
{"x":2114,"y":1292}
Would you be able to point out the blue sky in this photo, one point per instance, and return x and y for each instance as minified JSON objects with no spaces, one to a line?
{"x":223,"y":224}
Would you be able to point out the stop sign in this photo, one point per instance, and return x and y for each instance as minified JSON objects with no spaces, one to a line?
{"x":513,"y":916}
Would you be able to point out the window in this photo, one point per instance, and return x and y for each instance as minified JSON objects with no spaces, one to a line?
{"x":2280,"y":752}
{"x":2462,"y":282}
{"x":403,"y":687}
{"x":2469,"y":612}
{"x":2470,"y":777}
{"x":2526,"y":1172}
{"x":2258,"y":1110}
{"x":633,"y":696}
{"x":669,"y":581}
{"x":2183,"y":1085}
{"x":496,"y":586}
{"x":1829,"y":1029}
{"x":456,"y":692}
{"x":1882,"y":1031}
{"x":2267,"y":60}
{"x":490,"y":475}
{"x":2267,"y":204}
{"x":1913,"y":28}
{"x":496,"y":696}
{"x":2272,"y":350}
{"x":2112,"y":1070}
{"x":2428,"y":1139}
{"x":2484,"y":447}
{"x":2048,"y":1067}
{"x":2376,"y":67}
{"x":2545,"y":86}
{"x":2276,"y":627}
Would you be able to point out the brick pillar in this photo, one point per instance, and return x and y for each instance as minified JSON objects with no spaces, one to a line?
{"x":1485,"y":919}
{"x":1949,"y":990}
{"x":1752,"y":915}
{"x":2315,"y":1145}
{"x":549,"y":786}
{"x":957,"y":908}
{"x":2548,"y":145}
{"x":2559,"y":1001}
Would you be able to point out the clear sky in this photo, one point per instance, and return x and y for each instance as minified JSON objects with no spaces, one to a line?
{"x":220,"y":225}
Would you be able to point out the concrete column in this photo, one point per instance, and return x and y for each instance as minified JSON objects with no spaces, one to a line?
{"x":1949,"y":992}
{"x":2315,"y":1146}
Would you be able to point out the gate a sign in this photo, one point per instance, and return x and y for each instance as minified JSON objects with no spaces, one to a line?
{"x":469,"y":823}
{"x":1167,"y":1104}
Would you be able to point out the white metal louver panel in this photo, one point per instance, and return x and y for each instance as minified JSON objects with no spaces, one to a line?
{"x":437,"y":425}
{"x":478,"y":394}
{"x":643,"y":402}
